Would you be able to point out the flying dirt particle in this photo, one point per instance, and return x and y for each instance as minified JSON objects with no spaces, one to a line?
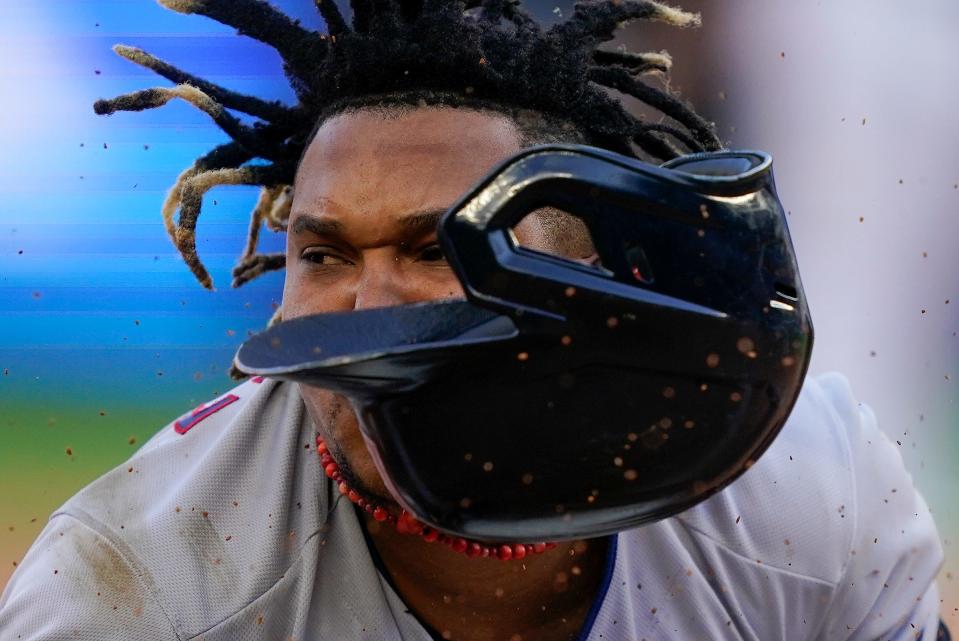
{"x":132,"y":440}
{"x":69,"y":451}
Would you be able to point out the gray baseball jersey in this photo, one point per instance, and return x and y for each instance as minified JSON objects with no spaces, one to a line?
{"x":223,"y":527}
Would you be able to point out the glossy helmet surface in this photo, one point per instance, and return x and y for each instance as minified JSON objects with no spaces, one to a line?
{"x":561,"y":400}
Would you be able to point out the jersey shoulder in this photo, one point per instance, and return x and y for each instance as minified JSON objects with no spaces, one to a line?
{"x":209,"y":514}
{"x":793,"y":509}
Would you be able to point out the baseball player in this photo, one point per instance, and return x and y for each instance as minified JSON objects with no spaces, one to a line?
{"x":265,"y":513}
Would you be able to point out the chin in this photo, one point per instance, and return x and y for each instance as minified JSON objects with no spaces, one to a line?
{"x":337,"y":424}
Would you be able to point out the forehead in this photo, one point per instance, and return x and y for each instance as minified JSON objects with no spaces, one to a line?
{"x":412,"y":159}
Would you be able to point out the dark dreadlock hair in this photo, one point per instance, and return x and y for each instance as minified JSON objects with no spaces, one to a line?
{"x":484,"y":54}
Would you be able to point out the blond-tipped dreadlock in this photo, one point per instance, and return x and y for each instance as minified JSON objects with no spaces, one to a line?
{"x":485,"y":53}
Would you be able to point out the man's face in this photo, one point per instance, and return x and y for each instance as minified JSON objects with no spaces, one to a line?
{"x":369,"y":192}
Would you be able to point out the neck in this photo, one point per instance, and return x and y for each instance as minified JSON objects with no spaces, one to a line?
{"x":542,"y":597}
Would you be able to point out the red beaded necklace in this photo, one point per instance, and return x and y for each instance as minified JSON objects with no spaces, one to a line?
{"x":406,"y":523}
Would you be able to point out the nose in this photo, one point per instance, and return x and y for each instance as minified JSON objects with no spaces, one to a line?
{"x":382,"y":282}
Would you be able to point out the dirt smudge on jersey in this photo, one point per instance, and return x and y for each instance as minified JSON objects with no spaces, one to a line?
{"x":206,"y":544}
{"x":116,"y":583}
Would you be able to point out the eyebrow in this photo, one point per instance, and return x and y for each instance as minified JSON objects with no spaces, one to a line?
{"x":415,"y":223}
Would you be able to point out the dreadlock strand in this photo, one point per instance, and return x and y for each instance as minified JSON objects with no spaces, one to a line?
{"x":279,"y":214}
{"x":335,"y":24}
{"x":655,"y":145}
{"x":600,"y":19}
{"x":362,"y":15}
{"x":691,"y":144}
{"x":621,"y":80}
{"x":411,"y":9}
{"x":263,"y":204}
{"x":191,"y":201}
{"x":259,"y":20}
{"x":159,"y":96}
{"x":256,"y":265}
{"x":271,"y":111}
{"x":386,"y":17}
{"x":636,"y":63}
{"x":229,"y":154}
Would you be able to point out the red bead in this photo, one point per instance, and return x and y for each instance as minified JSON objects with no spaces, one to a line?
{"x":519,"y":551}
{"x":321,"y":447}
{"x":326,"y":459}
{"x":430,"y":535}
{"x":551,"y":546}
{"x":379,"y":514}
{"x":529,"y":548}
{"x":411,"y":522}
{"x":459,"y":544}
{"x":337,"y":477}
{"x":353,"y":496}
{"x":401,"y":526}
{"x":504,"y":552}
{"x":368,"y":507}
{"x":361,"y":503}
{"x":486,"y":551}
{"x":344,"y":488}
{"x":474,"y":549}
{"x":330,"y":469}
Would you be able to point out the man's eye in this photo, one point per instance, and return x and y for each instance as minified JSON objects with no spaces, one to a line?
{"x":432,"y":254}
{"x":321,"y":257}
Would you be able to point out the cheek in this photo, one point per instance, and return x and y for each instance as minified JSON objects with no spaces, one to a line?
{"x":304,"y":294}
{"x":443,"y":284}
